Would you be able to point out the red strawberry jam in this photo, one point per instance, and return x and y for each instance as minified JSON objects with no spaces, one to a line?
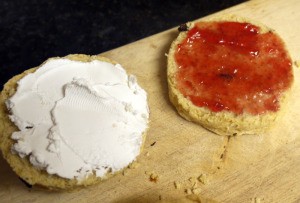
{"x":233,"y":66}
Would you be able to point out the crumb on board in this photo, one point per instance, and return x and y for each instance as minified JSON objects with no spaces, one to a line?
{"x":192,"y":184}
{"x":203,"y":179}
{"x":193,"y":187}
{"x":177,"y":185}
{"x":147,"y":154}
{"x":193,"y":181}
{"x":153,"y":177}
{"x":188,"y":191}
{"x":153,"y":144}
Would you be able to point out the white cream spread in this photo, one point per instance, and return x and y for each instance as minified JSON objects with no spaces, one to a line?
{"x":79,"y":118}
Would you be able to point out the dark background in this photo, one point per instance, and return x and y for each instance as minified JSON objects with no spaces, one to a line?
{"x":33,"y":30}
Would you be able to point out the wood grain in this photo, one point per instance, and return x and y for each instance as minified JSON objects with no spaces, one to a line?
{"x":239,"y":169}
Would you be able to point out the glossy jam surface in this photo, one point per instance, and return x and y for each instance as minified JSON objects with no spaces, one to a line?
{"x":233,"y":66}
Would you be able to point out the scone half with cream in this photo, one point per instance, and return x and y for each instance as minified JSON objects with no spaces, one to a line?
{"x":73,"y":121}
{"x":229,"y":74}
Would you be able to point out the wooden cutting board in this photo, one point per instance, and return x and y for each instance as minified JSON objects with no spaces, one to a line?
{"x":263,"y":168}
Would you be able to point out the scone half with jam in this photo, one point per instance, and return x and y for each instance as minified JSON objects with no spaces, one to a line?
{"x":229,"y":74}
